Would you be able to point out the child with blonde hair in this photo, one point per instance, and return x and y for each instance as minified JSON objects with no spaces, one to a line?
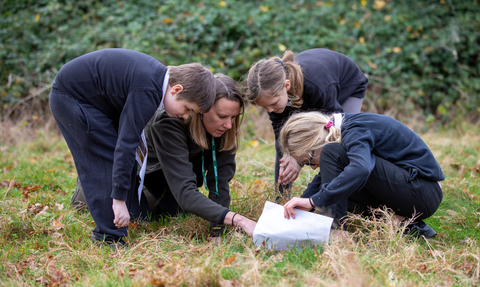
{"x":366,"y":161}
{"x":316,"y":79}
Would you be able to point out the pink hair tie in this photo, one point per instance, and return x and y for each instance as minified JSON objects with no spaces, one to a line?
{"x":328,"y":125}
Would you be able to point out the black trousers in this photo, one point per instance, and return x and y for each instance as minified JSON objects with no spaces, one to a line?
{"x":164,"y":203}
{"x":91,"y":137}
{"x":388,"y":185}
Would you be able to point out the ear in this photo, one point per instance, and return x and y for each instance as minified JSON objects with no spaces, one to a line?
{"x":286,"y":84}
{"x":176,"y":89}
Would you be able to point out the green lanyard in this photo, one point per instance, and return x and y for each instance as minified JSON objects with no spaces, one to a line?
{"x":214,"y":155}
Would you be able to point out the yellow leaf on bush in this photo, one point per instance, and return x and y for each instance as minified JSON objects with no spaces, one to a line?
{"x":264,"y":9}
{"x":372,"y":65}
{"x":222,"y":3}
{"x":254,"y":143}
{"x":37,"y":18}
{"x":364,"y":3}
{"x":397,"y":49}
{"x":357,"y":24}
{"x":167,"y":20}
{"x":378,"y":4}
{"x":409,"y":28}
{"x":361,"y":40}
{"x":387,"y":18}
{"x":282,"y":47}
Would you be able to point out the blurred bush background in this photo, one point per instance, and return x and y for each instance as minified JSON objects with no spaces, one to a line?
{"x":421,"y":57}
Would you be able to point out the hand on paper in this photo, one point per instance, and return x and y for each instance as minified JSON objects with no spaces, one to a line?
{"x":296,"y":202}
{"x":120,"y":210}
{"x":289,"y":170}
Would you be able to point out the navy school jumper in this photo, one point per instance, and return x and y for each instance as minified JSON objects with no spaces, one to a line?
{"x":101,"y":102}
{"x":329,"y":79}
{"x":380,"y":162}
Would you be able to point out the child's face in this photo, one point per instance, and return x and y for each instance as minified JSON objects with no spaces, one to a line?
{"x":275,"y":103}
{"x":221,"y":116}
{"x":312,"y":159}
{"x":178,"y":108}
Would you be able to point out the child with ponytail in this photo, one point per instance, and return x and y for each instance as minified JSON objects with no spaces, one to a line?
{"x":366,"y":161}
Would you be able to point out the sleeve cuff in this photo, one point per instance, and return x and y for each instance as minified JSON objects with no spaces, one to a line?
{"x":119,"y":194}
{"x":222,"y":219}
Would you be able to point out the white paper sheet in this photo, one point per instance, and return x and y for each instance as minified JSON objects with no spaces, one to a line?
{"x":276,"y":232}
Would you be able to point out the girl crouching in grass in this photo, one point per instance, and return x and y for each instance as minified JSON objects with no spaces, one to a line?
{"x":366,"y":161}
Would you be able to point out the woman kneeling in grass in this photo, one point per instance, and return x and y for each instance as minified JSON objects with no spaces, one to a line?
{"x":366,"y":161}
{"x":183,"y":157}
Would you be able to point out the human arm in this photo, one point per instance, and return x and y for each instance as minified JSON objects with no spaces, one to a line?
{"x":132,"y":120}
{"x":297,"y":203}
{"x":361,"y":161}
{"x":289,"y":170}
{"x":246,"y":224}
{"x":122,"y":216}
{"x":173,"y":149}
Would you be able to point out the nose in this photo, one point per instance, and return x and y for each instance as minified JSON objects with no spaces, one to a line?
{"x":228,"y":124}
{"x":185,"y":116}
{"x":270,"y":110}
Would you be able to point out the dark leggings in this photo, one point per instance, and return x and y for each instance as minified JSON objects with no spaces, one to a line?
{"x":388,"y":185}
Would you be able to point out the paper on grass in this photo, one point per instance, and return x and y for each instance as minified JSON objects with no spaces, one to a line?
{"x":307,"y":229}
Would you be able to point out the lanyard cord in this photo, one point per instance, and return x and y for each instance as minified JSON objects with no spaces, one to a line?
{"x":214,"y":156}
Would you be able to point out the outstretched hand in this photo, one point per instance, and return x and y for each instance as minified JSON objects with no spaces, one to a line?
{"x":298,"y":203}
{"x":289,"y":170}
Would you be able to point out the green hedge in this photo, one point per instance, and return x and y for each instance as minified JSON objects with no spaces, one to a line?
{"x":417,"y":54}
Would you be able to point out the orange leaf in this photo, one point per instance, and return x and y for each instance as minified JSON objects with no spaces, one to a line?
{"x":57,"y":224}
{"x":167,"y":20}
{"x":229,"y":260}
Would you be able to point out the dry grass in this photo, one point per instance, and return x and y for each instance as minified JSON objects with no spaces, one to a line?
{"x":54,"y":249}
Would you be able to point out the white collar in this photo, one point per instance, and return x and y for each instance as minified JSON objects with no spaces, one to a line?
{"x":337,"y":120}
{"x":164,"y":89}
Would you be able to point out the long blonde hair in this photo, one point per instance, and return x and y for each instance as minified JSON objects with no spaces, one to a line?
{"x":226,"y":88}
{"x":304,"y":132}
{"x":267,"y":77}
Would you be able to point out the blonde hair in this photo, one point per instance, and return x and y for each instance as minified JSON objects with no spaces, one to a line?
{"x":197,"y":82}
{"x":304,"y":132}
{"x":228,"y":89}
{"x":267,"y":77}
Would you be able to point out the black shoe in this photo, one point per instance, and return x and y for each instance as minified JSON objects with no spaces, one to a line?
{"x":420,"y":228}
{"x":113,"y":244}
{"x":78,"y":198}
{"x":217,"y":230}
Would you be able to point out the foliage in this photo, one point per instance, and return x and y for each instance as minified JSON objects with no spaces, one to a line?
{"x":46,"y":242}
{"x":420,"y":54}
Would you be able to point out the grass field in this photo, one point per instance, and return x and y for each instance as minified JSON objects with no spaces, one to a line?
{"x":45,"y":242}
